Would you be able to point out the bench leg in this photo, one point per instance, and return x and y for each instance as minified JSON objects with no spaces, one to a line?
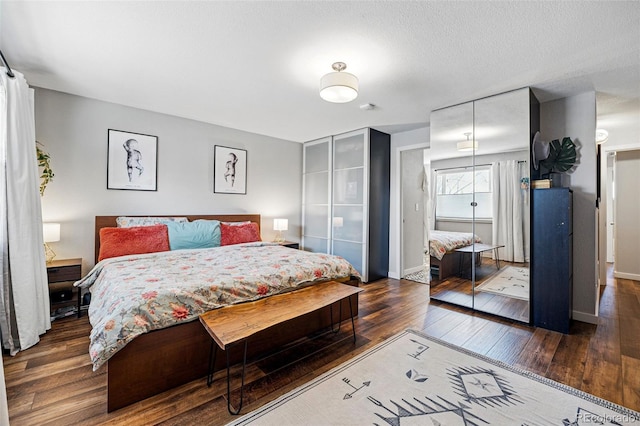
{"x":244,"y":364}
{"x":212,"y":362}
{"x":339,"y":318}
{"x":353,"y":324}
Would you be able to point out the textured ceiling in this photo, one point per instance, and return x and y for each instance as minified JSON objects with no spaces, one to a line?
{"x":256,"y":66}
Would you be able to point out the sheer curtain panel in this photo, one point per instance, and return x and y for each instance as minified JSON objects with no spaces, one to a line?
{"x":24,"y":295}
{"x":508,"y":210}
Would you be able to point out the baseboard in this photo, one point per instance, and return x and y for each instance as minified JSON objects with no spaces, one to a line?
{"x":626,"y":276}
{"x":584,"y":317}
{"x":394,"y":275}
{"x":414,"y":269}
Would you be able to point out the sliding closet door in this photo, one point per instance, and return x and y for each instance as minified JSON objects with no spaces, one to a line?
{"x":502,"y":127}
{"x":350,"y":197}
{"x":316,"y":206}
{"x":451,"y":239}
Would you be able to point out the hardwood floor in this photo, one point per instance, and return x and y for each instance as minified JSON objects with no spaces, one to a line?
{"x":458,"y":290}
{"x":52,"y":383}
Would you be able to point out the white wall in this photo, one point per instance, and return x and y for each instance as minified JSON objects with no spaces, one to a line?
{"x":576,"y":117}
{"x":627,"y":238}
{"x":73,"y":131}
{"x":418,"y":138}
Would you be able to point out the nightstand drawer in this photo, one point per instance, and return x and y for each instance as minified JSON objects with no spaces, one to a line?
{"x":64,"y":273}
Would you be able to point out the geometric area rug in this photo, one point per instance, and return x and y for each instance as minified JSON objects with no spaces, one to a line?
{"x":511,"y":281}
{"x":422,"y":276}
{"x":413,"y":379}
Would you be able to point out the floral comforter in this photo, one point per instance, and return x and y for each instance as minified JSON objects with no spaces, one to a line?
{"x":440,"y":242}
{"x":131,"y":295}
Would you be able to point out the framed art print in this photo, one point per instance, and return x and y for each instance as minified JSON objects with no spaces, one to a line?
{"x":229,"y":170}
{"x":132,"y":161}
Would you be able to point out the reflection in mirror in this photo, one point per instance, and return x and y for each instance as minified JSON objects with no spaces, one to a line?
{"x":502,"y":276}
{"x":451,"y":195}
{"x":479,"y":190}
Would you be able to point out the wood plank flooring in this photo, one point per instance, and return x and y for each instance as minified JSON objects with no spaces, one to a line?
{"x":53,"y":384}
{"x":458,"y":290}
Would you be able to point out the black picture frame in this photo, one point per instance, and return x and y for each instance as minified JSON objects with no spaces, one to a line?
{"x":229,"y":170}
{"x":132,"y":161}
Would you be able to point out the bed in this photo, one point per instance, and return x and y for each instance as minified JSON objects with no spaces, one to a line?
{"x":144,"y":359}
{"x":442,"y":246}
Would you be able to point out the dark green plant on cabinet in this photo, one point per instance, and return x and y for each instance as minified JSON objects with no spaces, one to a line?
{"x":562,"y":156}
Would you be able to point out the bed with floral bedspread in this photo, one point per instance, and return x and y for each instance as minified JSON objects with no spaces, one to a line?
{"x":441,"y":242}
{"x":135,"y":294}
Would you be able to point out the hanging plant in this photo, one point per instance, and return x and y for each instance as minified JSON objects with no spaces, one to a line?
{"x":47,"y":173}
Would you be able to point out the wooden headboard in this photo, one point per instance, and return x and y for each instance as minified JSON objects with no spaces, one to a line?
{"x":110,"y":221}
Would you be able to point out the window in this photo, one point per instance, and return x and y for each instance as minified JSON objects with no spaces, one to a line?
{"x":454,"y":192}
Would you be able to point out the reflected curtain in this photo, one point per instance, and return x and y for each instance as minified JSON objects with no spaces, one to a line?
{"x":24,"y":295}
{"x":508,"y":210}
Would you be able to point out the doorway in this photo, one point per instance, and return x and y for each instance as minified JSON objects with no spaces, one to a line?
{"x":413,"y":183}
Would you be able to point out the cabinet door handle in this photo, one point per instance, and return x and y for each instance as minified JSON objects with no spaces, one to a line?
{"x":474,"y":204}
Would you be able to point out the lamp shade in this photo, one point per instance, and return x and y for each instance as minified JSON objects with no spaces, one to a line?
{"x":280,"y":224}
{"x":467,"y":146}
{"x":51,"y":232}
{"x":338,"y":86}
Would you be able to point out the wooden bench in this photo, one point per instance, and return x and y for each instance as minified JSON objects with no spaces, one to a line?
{"x":235,"y":324}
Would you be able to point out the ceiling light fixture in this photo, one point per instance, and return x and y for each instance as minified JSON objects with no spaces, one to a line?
{"x":467,"y":145}
{"x":338,"y":86}
{"x":601,"y":136}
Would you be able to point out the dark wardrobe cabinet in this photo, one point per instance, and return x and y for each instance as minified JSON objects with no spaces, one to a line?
{"x":551,"y":258}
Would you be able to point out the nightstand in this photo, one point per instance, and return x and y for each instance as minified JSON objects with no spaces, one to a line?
{"x":61,"y":274}
{"x":290,"y":244}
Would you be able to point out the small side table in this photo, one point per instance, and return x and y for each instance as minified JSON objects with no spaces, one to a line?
{"x":61,"y":274}
{"x":290,"y":244}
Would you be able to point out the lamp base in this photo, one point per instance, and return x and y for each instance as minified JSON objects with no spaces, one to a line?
{"x":49,"y":254}
{"x":279,"y":238}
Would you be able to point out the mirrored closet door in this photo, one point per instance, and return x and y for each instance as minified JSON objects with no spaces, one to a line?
{"x":479,"y":242}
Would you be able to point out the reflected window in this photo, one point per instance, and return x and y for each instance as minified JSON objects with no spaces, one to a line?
{"x":455,"y":193}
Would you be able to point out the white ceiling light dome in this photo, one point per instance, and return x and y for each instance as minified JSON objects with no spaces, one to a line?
{"x":601,"y":136}
{"x":339,"y":86}
{"x":468,"y":145}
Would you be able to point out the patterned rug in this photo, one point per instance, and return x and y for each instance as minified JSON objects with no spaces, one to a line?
{"x":420,"y":277}
{"x":511,"y":281}
{"x":412,"y":379}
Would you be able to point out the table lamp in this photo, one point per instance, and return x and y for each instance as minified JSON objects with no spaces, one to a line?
{"x":51,"y":234}
{"x":280,"y":225}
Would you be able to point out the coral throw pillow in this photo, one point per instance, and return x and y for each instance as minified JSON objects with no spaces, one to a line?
{"x":135,"y":240}
{"x":236,"y":233}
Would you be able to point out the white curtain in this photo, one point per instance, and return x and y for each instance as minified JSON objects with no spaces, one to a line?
{"x":24,"y":295}
{"x":431,"y":208}
{"x":508,"y":210}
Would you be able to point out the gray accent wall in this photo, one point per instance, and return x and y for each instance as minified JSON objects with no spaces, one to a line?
{"x":575,"y":117}
{"x":73,"y":131}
